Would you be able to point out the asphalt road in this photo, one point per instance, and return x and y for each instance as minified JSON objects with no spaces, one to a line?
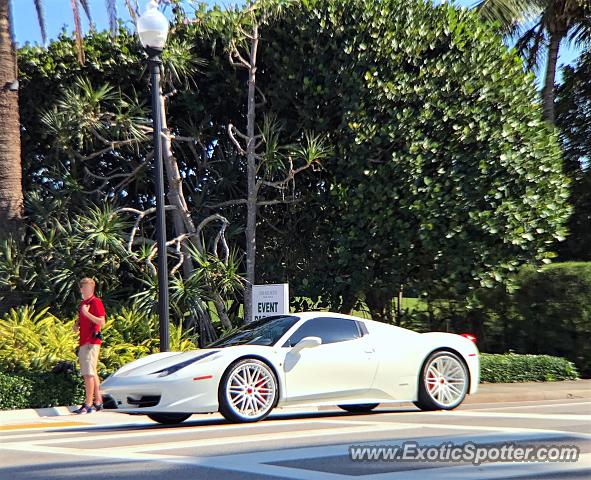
{"x":296,"y":445}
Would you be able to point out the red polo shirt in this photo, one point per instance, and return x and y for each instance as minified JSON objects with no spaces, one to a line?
{"x":87,"y":326}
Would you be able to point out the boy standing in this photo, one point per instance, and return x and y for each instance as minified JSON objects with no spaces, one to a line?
{"x":91,"y":317}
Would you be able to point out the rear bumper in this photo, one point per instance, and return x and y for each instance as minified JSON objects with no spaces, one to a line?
{"x":474,"y":367}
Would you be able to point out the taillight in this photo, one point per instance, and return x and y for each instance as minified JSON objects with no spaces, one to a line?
{"x":469,"y":336}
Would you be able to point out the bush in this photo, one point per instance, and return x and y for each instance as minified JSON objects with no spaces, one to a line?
{"x":511,"y":367}
{"x":35,"y":340}
{"x":39,"y":390}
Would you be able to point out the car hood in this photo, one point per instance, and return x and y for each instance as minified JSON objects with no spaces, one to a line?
{"x":159,"y":361}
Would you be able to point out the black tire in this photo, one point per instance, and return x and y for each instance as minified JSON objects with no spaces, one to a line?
{"x":229,"y":411}
{"x":360,"y":408}
{"x":428,"y":401}
{"x":169,"y":418}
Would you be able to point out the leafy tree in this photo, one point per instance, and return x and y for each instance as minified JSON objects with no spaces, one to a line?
{"x":445,"y":175}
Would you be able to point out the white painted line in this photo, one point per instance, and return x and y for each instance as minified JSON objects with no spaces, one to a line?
{"x":254,"y":462}
{"x":257,"y":463}
{"x":263,"y":437}
{"x":455,"y":426}
{"x":166,"y":431}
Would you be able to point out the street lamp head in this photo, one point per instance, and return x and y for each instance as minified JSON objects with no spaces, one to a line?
{"x":152,"y":27}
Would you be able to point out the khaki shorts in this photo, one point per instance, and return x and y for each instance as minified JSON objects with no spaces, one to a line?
{"x":88,"y":357}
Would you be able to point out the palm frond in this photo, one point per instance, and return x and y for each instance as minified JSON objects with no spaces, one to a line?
{"x":112,"y":14}
{"x":133,"y":10}
{"x":86,"y":8}
{"x":580,"y":34}
{"x":531,"y":44}
{"x":510,"y":12}
{"x":41,"y":20}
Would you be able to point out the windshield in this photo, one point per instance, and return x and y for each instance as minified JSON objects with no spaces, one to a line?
{"x":266,"y":331}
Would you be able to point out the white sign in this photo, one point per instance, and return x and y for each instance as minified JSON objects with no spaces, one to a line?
{"x":268,"y":300}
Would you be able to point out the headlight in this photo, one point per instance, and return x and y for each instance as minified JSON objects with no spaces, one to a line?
{"x":175,"y":368}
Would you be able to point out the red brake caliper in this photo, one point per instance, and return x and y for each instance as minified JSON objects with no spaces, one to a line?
{"x":431,"y":380}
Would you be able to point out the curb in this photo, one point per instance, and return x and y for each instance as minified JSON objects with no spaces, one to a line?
{"x":35,"y":413}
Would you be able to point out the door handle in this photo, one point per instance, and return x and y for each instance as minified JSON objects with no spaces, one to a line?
{"x":370,"y":350}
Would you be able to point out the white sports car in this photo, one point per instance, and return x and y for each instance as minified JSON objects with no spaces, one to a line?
{"x":303,"y":359}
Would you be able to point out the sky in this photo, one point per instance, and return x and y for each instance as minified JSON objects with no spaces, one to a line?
{"x":58,"y":14}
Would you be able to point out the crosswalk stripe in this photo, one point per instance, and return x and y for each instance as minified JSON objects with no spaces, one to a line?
{"x":162,"y":431}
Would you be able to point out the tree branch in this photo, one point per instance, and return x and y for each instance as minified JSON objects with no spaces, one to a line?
{"x":231,"y":134}
{"x":228,"y":203}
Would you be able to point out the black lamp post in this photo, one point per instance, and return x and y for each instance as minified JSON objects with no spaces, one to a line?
{"x":152,"y":29}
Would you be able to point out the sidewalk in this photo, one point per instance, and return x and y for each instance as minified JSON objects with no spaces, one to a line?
{"x":487,"y":393}
{"x":528,"y":391}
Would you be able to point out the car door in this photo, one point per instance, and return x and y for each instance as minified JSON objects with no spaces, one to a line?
{"x":343,"y":366}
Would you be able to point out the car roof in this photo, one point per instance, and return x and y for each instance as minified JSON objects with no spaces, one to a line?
{"x":318,"y":313}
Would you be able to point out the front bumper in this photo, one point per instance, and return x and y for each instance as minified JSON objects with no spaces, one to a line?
{"x":129,"y":394}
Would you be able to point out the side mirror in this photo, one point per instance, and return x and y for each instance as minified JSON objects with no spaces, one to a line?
{"x":307,"y":342}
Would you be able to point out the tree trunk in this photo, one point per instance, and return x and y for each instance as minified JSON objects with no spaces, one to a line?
{"x":251,"y":204}
{"x":221,"y":309}
{"x":399,"y":306}
{"x":11,"y":190}
{"x":379,"y":305}
{"x":181,"y":217}
{"x":548,"y":90}
{"x":183,"y":223}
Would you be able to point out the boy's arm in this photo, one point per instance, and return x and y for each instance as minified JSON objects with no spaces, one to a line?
{"x":98,"y":319}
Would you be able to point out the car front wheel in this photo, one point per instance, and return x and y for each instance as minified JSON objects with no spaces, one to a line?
{"x":247,"y":391}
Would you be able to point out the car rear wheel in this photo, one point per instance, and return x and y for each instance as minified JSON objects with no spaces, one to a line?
{"x":359,"y":408}
{"x":247,"y":391}
{"x":169,"y":418}
{"x":443,"y":382}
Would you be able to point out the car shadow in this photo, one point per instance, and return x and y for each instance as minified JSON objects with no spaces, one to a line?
{"x":205,"y":422}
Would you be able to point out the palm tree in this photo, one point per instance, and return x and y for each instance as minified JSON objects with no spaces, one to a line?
{"x":542,"y":26}
{"x":11,"y":192}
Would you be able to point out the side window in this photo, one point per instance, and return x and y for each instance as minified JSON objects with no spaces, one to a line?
{"x":329,"y":329}
{"x":363,"y":328}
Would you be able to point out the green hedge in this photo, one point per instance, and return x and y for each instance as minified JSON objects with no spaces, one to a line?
{"x":40,"y":389}
{"x":512,"y":367}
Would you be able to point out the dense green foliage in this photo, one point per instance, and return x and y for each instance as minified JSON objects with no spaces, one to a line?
{"x":39,"y":390}
{"x":511,"y":367}
{"x":443,"y":179}
{"x":34,"y":340}
{"x":574,"y":123}
{"x":444,"y":176}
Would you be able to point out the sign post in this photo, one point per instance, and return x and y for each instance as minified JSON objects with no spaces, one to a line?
{"x":268,"y":300}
